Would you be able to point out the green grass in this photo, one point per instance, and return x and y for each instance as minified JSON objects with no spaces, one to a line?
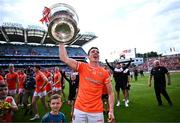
{"x":142,"y":106}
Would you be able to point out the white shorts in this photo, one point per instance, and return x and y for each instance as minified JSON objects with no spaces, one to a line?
{"x":12,"y":92}
{"x":40,"y":94}
{"x":21,"y":91}
{"x":56,"y":89}
{"x":85,"y":117}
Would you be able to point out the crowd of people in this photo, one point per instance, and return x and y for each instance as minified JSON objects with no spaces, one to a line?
{"x":27,"y":86}
{"x":170,"y":62}
{"x":90,"y":88}
{"x":33,"y":50}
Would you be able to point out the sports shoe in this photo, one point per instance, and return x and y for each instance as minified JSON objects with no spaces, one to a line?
{"x":126,"y":104}
{"x":127,"y":101}
{"x":118,"y":103}
{"x":35,"y":117}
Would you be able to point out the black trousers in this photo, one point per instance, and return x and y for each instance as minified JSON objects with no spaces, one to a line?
{"x":161,"y":90}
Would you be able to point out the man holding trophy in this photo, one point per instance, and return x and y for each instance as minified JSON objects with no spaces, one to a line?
{"x":62,"y":23}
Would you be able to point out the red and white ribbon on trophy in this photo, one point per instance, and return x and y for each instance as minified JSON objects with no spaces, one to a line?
{"x":46,"y":13}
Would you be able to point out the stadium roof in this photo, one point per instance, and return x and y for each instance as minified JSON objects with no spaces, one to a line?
{"x":14,"y":32}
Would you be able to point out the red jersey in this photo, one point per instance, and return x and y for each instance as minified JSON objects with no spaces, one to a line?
{"x":47,"y":74}
{"x":57,"y":78}
{"x":22,"y":78}
{"x":40,"y":81}
{"x":11,"y":79}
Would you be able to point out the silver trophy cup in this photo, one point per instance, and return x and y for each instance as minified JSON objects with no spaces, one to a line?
{"x":63,"y":21}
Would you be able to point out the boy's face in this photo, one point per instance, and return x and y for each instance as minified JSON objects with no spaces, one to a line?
{"x":55,"y":104}
{"x":3,"y":92}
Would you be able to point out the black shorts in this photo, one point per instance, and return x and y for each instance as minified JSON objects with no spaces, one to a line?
{"x":121,"y":85}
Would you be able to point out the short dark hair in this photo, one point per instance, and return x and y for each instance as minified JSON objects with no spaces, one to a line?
{"x":91,"y":49}
{"x":2,"y":85}
{"x":54,"y":96}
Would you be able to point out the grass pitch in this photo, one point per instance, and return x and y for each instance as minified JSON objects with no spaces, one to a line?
{"x":142,"y":106}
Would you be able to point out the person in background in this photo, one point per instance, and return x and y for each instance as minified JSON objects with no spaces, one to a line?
{"x":88,"y":106}
{"x":73,"y":81}
{"x":57,"y":87}
{"x":40,"y":91}
{"x":22,"y":78}
{"x":29,"y":87}
{"x":158,"y":73}
{"x":11,"y":79}
{"x":1,"y":79}
{"x":135,"y":74}
{"x":49,"y":84}
{"x":63,"y":85}
{"x":120,"y":83}
{"x":54,"y":116}
{"x":126,"y":84}
{"x":7,"y":105}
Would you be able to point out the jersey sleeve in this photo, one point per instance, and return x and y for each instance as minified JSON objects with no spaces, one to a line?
{"x":80,"y":66}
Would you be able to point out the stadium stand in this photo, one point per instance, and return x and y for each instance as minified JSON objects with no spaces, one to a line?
{"x":172,"y":62}
{"x":32,"y":45}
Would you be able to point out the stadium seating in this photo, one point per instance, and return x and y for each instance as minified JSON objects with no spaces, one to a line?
{"x":28,"y":55}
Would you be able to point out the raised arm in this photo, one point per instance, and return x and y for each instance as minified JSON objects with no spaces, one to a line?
{"x":64,"y":57}
{"x":111,"y":67}
{"x":129,"y":63}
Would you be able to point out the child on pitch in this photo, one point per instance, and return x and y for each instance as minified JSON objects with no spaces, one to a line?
{"x":7,"y":105}
{"x":54,"y":116}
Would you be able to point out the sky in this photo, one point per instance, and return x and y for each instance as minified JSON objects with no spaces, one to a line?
{"x":147,"y":25}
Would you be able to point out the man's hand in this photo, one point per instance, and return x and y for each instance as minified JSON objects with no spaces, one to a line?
{"x":111,"y":117}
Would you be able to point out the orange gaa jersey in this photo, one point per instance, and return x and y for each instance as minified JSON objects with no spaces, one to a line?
{"x":92,"y":81}
{"x":40,"y":82}
{"x":11,"y":79}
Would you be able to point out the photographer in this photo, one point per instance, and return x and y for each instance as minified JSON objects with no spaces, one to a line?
{"x":29,"y":86}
